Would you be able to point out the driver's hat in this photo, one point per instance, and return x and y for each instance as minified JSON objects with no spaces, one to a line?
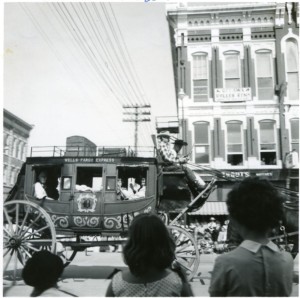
{"x":164,"y":134}
{"x":180,"y":142}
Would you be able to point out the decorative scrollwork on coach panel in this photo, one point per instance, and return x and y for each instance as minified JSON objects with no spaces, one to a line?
{"x":86,"y":221}
{"x":60,"y":221}
{"x":112,"y":222}
{"x":127,"y":219}
{"x":115,"y":222}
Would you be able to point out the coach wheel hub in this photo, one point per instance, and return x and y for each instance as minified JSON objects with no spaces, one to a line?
{"x":15,"y":242}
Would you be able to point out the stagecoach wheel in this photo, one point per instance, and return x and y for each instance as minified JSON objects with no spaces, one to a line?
{"x":187,"y":254}
{"x":27,"y":228}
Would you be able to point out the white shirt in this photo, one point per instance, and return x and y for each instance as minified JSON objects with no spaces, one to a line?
{"x":141,"y":193}
{"x":39,"y":190}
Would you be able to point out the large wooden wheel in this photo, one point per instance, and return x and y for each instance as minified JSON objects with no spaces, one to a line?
{"x":27,"y":228}
{"x":187,"y":254}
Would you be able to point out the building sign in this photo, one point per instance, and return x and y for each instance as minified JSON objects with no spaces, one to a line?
{"x":232,"y":94}
{"x":240,"y":175}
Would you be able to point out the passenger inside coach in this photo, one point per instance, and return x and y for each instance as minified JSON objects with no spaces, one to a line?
{"x":44,"y":188}
{"x":134,"y":191}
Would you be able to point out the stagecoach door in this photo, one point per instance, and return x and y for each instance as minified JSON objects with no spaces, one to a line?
{"x":88,"y":194}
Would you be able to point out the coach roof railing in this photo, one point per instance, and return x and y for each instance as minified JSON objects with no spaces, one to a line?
{"x":103,"y":151}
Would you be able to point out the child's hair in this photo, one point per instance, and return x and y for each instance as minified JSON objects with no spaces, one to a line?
{"x":149,"y":245}
{"x":42,"y":270}
{"x":256,"y":204}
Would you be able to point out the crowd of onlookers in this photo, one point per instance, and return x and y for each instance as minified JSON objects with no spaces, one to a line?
{"x":210,"y":236}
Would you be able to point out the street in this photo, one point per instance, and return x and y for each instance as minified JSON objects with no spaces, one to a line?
{"x":87,"y":275}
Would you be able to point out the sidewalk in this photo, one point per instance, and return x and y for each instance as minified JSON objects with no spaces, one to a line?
{"x":86,"y":280}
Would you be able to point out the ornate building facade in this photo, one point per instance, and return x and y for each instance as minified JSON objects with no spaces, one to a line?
{"x":236,"y":68}
{"x":15,"y":144}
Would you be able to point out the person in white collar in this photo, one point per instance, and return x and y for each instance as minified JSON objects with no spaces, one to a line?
{"x":256,"y":267}
{"x":40,"y":187}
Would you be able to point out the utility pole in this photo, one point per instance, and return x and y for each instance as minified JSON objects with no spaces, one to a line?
{"x":138,"y":115}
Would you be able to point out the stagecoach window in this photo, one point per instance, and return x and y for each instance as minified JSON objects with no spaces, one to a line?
{"x":132,"y":174}
{"x":110,"y":183}
{"x":90,"y":177}
{"x":66,"y":182}
{"x":53,"y":175}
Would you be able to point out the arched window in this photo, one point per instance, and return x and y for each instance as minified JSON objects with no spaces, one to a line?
{"x":234,"y":143}
{"x":292,"y":69}
{"x":6,"y":144}
{"x":15,"y":144}
{"x":295,"y":134}
{"x":23,"y":154}
{"x":264,"y":75}
{"x":200,"y":77}
{"x":12,"y":176}
{"x":232,"y":69}
{"x":202,"y":142}
{"x":20,"y":150}
{"x":268,"y":141}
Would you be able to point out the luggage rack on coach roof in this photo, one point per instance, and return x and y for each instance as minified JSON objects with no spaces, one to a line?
{"x":99,"y":151}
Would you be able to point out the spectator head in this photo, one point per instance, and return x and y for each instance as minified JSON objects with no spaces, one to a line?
{"x":42,"y":177}
{"x":149,"y":245}
{"x":42,"y":270}
{"x":255,"y":204}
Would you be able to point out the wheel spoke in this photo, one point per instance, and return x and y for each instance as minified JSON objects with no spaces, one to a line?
{"x":31,"y":247}
{"x":185,"y":256}
{"x":7,"y":232}
{"x":181,"y":248}
{"x":5,"y":237}
{"x":8,"y":261}
{"x":22,"y":254}
{"x":37,"y":232}
{"x":185,"y":266}
{"x":17,"y":218}
{"x":30,"y":225}
{"x":24,"y":219}
{"x":8,"y":219}
{"x":26,"y":251}
{"x":8,"y":250}
{"x":15,"y":264}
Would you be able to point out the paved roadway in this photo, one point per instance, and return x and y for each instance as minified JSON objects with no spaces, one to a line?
{"x":87,"y":275}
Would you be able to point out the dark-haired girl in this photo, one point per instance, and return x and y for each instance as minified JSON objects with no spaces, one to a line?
{"x":149,"y":254}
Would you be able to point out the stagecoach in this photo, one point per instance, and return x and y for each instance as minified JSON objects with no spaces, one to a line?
{"x":77,"y":219}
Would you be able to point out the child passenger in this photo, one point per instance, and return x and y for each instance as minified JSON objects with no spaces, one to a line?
{"x":149,"y":254}
{"x":256,"y":267}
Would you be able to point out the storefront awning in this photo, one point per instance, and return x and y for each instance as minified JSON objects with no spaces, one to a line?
{"x":211,"y":208}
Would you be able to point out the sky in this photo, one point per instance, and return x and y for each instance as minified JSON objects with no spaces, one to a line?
{"x":69,"y":69}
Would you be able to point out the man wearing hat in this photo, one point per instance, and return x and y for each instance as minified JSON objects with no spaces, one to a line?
{"x":171,"y":158}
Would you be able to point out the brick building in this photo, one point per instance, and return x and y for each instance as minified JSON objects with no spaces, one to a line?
{"x":236,"y":69}
{"x":15,"y":145}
